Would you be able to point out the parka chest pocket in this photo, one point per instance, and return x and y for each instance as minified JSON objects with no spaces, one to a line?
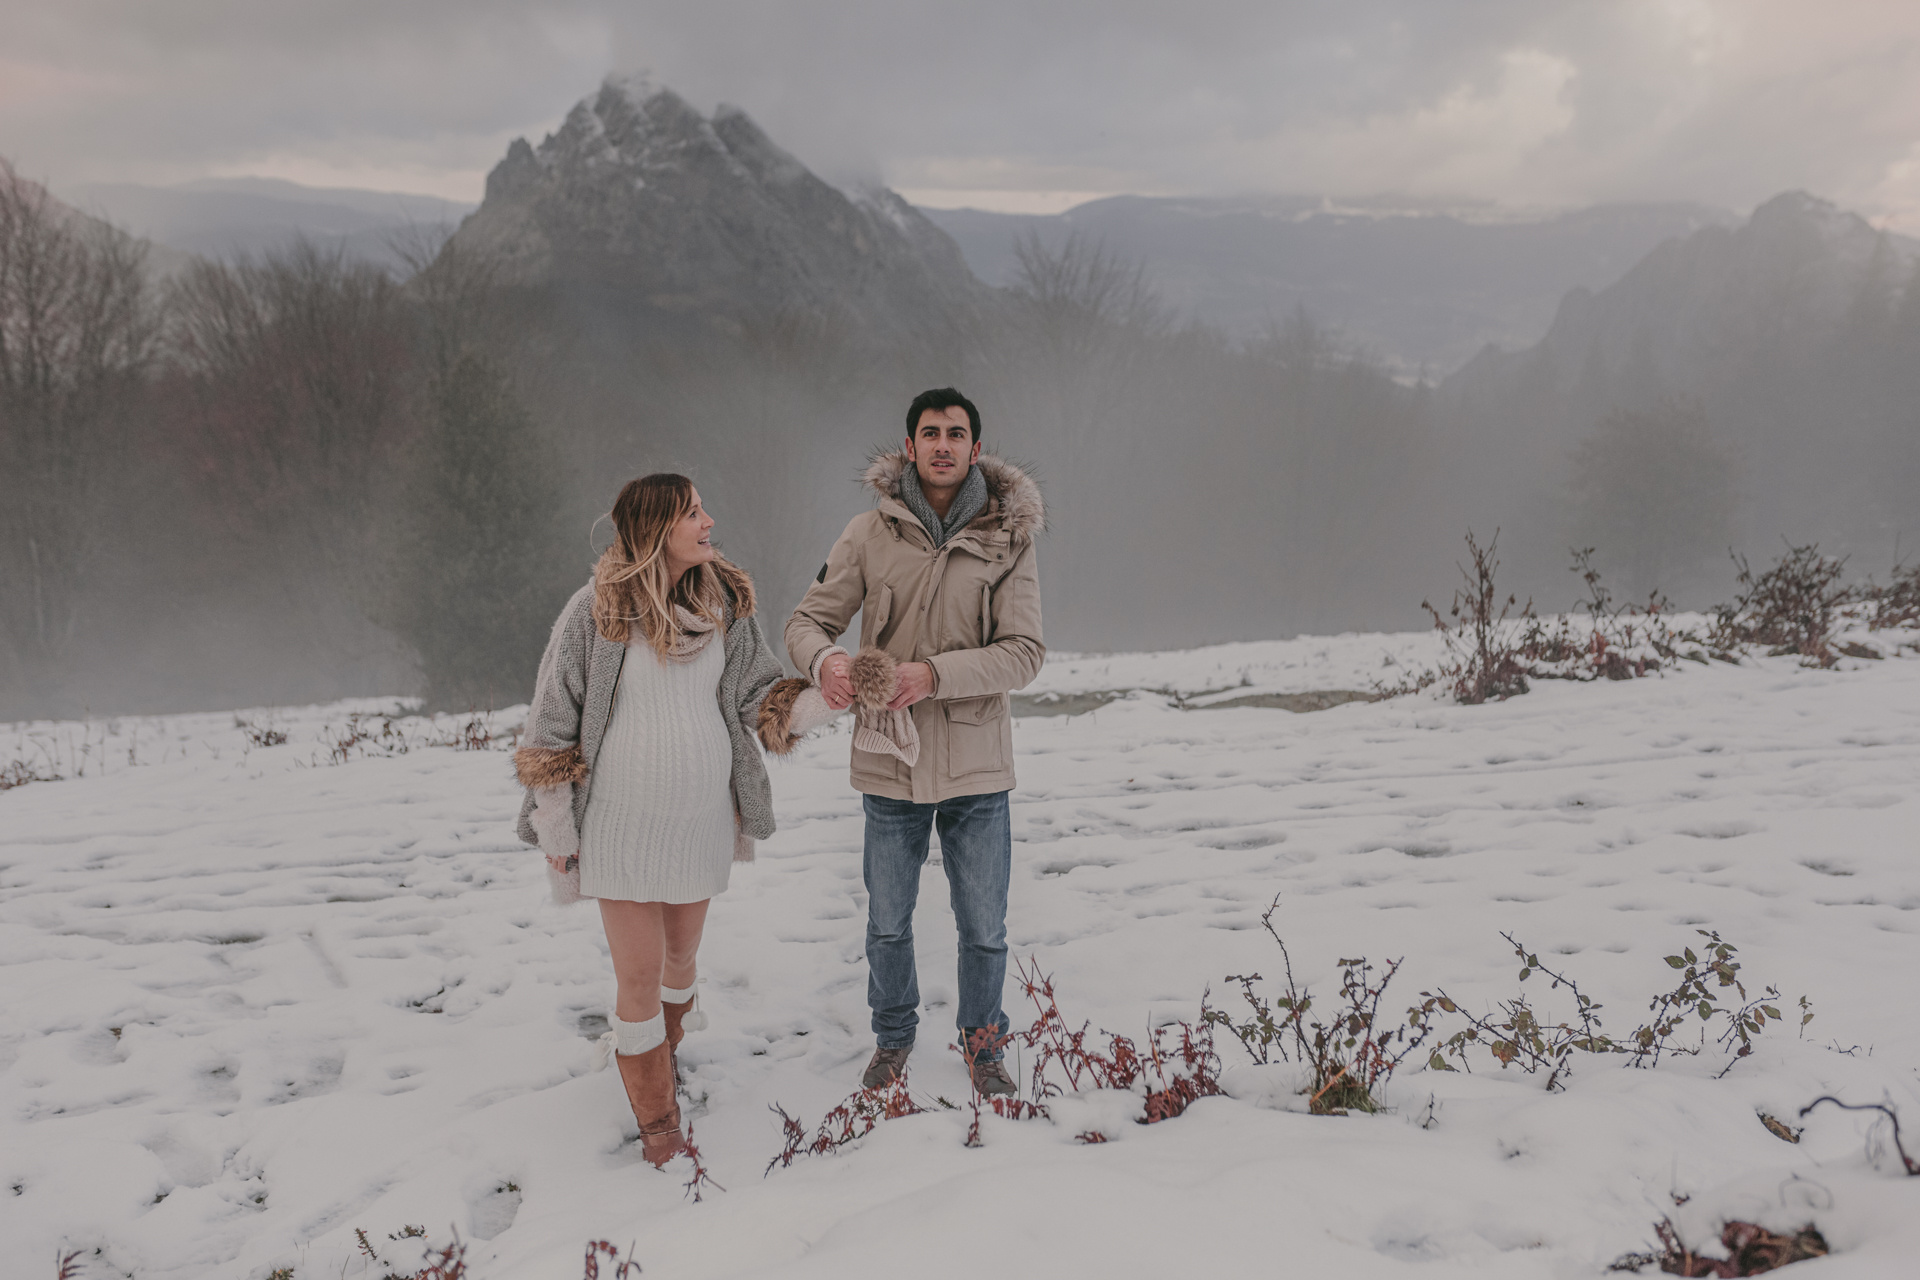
{"x":876,"y":616}
{"x":979,"y":738}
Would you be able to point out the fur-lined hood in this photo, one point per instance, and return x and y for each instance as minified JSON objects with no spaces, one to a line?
{"x":616,"y":599}
{"x":1013,"y":497}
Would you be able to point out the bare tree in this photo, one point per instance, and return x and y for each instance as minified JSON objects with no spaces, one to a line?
{"x":454,"y":286}
{"x":76,"y":336}
{"x":1082,"y":315}
{"x":300,"y":390}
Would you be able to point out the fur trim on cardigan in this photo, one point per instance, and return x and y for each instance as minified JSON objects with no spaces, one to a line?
{"x":1013,"y":497}
{"x":791,"y":710}
{"x":545,"y":767}
{"x":617,"y":599}
{"x":776,"y":715}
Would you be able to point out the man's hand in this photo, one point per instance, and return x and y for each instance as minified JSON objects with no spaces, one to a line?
{"x":835,"y":687}
{"x":912,"y":682}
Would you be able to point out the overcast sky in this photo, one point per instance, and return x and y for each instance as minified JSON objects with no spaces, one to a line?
{"x":1020,"y":104}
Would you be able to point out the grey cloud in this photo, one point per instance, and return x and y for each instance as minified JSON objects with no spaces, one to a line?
{"x":1550,"y":102}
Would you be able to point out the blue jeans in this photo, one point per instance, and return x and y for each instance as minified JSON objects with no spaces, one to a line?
{"x":976,"y":849}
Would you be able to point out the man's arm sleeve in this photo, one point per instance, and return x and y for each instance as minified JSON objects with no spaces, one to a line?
{"x":1013,"y":659}
{"x":829,"y":604}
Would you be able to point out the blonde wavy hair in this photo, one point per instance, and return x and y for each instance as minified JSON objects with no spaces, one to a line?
{"x":631,"y":584}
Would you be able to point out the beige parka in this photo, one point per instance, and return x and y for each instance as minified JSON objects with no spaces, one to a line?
{"x":969,"y":608}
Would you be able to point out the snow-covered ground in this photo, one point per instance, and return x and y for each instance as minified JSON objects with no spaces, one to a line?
{"x":253,"y":1000}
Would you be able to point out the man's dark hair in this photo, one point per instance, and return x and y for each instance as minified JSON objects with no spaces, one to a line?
{"x":942,"y":398}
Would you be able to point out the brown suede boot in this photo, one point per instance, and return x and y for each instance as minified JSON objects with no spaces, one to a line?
{"x":649,"y":1080}
{"x":676,"y":1015}
{"x":676,"y":1032}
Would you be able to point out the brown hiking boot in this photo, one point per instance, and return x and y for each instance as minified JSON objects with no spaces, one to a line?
{"x":991,"y":1079}
{"x":649,"y":1080}
{"x":886,"y":1066}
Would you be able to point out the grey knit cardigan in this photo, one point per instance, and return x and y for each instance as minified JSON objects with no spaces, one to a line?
{"x":573,"y":700}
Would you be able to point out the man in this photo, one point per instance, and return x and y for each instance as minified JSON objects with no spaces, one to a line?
{"x":942,"y":573}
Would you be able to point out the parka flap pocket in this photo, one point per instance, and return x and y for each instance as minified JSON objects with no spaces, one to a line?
{"x":974,"y":710}
{"x":877,"y":613}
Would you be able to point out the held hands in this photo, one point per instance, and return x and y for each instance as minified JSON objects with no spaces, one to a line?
{"x":835,"y":686}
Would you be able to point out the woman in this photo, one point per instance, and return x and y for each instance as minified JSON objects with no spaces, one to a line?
{"x":644,"y":782}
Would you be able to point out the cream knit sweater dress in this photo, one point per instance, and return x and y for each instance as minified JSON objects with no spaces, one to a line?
{"x":659,"y":825}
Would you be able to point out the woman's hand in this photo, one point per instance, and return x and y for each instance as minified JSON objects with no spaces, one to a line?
{"x":835,"y":686}
{"x":557,"y":863}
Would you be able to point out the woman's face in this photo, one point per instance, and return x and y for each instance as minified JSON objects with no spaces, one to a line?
{"x":689,"y":541}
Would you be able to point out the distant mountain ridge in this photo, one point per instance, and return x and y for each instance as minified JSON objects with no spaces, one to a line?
{"x":638,"y":194}
{"x":1796,"y":334}
{"x":1793,"y":272}
{"x":1422,"y":288}
{"x":223,"y":218}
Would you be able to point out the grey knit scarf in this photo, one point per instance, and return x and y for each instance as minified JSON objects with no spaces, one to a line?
{"x":968,"y":503}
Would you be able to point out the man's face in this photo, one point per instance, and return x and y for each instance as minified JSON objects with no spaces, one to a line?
{"x":942,"y":448}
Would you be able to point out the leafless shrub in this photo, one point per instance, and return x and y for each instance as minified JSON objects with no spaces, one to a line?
{"x":18,"y":773}
{"x":258,"y":734}
{"x":448,"y":1262}
{"x":1792,"y":608}
{"x":50,"y":753}
{"x":1350,"y":1056}
{"x":475,"y":733}
{"x":1522,"y":1036}
{"x":1751,"y":1250}
{"x":700,"y":1179}
{"x":624,"y":1264}
{"x":1898,"y":603}
{"x":1178,"y":1066}
{"x":1485,"y":657}
{"x":1614,"y":641}
{"x":1516,"y":1033}
{"x":1799,"y":606}
{"x":380,"y":734}
{"x":365,"y":733}
{"x":856,"y":1117}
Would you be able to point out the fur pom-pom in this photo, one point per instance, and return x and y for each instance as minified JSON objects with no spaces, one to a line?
{"x":874,"y":681}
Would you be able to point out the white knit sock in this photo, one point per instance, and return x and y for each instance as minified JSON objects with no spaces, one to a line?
{"x":629,"y":1038}
{"x":694,"y":1019}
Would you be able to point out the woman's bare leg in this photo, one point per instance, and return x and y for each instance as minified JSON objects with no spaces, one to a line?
{"x":652,"y":943}
{"x":685,"y":922}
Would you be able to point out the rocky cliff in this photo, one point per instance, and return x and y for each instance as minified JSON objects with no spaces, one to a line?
{"x":639,"y":196}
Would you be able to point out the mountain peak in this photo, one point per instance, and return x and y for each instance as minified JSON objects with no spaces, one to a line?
{"x":638,"y":194}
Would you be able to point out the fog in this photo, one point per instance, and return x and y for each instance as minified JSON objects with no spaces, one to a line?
{"x":299,"y":472}
{"x":298,"y":477}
